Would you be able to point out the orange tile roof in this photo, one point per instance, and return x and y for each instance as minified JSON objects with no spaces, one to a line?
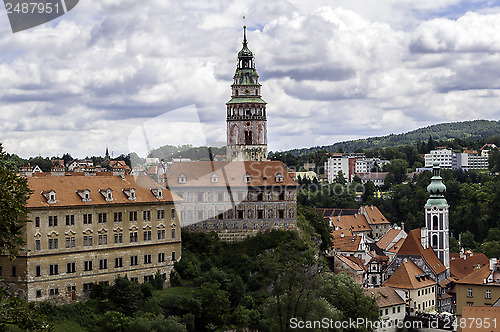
{"x":229,"y":173}
{"x":345,"y":241}
{"x":413,"y":246}
{"x":479,"y":314}
{"x":385,"y":296}
{"x":66,"y":188}
{"x":353,"y":265}
{"x":477,"y":277}
{"x":355,"y":223}
{"x":387,"y":238}
{"x":460,"y":267}
{"x":395,"y":248}
{"x":407,"y":276}
{"x":375,"y":216}
{"x":358,"y":261}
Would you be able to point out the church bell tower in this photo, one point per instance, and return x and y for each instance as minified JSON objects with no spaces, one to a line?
{"x":246,"y":111}
{"x":436,"y":217}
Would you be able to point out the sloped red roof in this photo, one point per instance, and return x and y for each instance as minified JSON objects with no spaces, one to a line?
{"x":408,"y":276}
{"x":387,"y":238}
{"x":355,"y":223}
{"x":460,"y":267}
{"x":385,"y":296}
{"x":66,"y":188}
{"x":477,"y":277}
{"x":228,"y":173}
{"x":413,"y":246}
{"x":345,"y":241}
{"x":352,"y":264}
{"x":375,"y":216}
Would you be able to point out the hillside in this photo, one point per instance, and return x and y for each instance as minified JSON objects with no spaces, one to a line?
{"x":466,"y":130}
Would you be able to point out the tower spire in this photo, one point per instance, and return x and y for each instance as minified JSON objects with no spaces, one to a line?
{"x":244,"y":32}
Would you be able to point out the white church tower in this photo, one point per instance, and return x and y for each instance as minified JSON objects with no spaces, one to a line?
{"x":436,"y":217}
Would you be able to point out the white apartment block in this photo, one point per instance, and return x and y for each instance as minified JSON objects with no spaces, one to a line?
{"x":365,"y":165}
{"x":334,"y":165}
{"x":451,"y":160}
{"x":444,"y":156}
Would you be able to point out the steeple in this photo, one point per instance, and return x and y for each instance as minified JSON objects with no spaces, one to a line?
{"x":246,"y":111}
{"x":436,"y":217}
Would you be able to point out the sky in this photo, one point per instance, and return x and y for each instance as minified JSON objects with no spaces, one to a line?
{"x":135,"y":75}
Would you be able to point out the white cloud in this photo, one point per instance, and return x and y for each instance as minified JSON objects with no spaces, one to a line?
{"x":329,"y":72}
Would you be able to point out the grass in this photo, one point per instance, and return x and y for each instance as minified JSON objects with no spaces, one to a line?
{"x":68,"y":326}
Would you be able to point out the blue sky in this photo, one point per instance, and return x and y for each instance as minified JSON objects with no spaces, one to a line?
{"x":330,"y":71}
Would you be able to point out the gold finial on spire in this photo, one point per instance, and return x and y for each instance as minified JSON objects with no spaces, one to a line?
{"x":244,"y":32}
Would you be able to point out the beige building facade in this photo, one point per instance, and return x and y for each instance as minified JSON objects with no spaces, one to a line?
{"x":89,"y":229}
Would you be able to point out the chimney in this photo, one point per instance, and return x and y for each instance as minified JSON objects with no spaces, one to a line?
{"x":403,"y":225}
{"x":423,"y":237}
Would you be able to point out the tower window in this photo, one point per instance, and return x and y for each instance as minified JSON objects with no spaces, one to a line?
{"x":435,"y":222}
{"x":248,"y":137}
{"x":435,"y":240}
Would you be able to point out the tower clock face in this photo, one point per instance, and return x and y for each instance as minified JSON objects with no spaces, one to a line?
{"x":246,"y":92}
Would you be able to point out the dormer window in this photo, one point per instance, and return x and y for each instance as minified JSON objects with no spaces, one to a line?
{"x":214,"y":178}
{"x":130,"y":192}
{"x":50,"y":196}
{"x":107,"y":193}
{"x":84,"y":194}
{"x":247,"y":178}
{"x":158,"y":192}
{"x":182,"y":178}
{"x":279,"y":177}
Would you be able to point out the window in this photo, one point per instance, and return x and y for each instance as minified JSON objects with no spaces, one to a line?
{"x":103,"y":264}
{"x":260,"y":214}
{"x":393,"y":310}
{"x":87,"y":287}
{"x":133,"y":216}
{"x":37,"y":245}
{"x":434,"y":222}
{"x":173,"y":255}
{"x":54,"y":291}
{"x":469,"y":292}
{"x":87,"y":218}
{"x":134,"y":260}
{"x":119,"y":262}
{"x":133,"y":237}
{"x":38,"y":271}
{"x":102,"y":218}
{"x":13,"y":272}
{"x":161,"y":257}
{"x":53,"y":243}
{"x":172,"y":213}
{"x":87,"y":240}
{"x":52,"y":221}
{"x":418,"y":292}
{"x":146,"y":215}
{"x":37,"y":221}
{"x":200,"y":197}
{"x":119,"y":238}
{"x":147,"y":259}
{"x":53,"y":269}
{"x":87,"y":266}
{"x":70,"y":242}
{"x":103,"y":239}
{"x":399,"y":309}
{"x":38,"y":293}
{"x":147,"y":235}
{"x":160,"y":214}
{"x":118,"y":217}
{"x":173,"y":233}
{"x":161,"y":234}
{"x":220,"y":197}
{"x":488,"y":293}
{"x":281,"y":214}
{"x":70,"y":219}
{"x":71,"y":267}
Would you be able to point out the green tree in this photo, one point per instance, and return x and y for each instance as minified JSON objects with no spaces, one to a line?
{"x":468,"y":241}
{"x":14,"y":193}
{"x":397,"y":171}
{"x":369,"y":190}
{"x":454,"y":247}
{"x":125,"y":295}
{"x":490,"y":249}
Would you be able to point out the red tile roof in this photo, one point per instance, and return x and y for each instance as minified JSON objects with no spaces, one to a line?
{"x":350,"y":263}
{"x":229,"y":173}
{"x":345,"y":241}
{"x":477,"y":277}
{"x":408,"y":276}
{"x":395,"y":248}
{"x":412,"y":246}
{"x":375,"y":216}
{"x":388,"y":238}
{"x":385,"y":296}
{"x":66,"y":188}
{"x":460,"y":267}
{"x":355,"y":223}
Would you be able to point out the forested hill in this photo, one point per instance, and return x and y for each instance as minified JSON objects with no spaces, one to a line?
{"x":466,"y":130}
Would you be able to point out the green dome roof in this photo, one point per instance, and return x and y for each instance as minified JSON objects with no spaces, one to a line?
{"x":436,"y":188}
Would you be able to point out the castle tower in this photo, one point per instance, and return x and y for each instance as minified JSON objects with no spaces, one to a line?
{"x":246,"y":111}
{"x":436,"y":217}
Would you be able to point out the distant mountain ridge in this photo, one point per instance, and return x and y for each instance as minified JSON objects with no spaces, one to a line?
{"x":477,"y":129}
